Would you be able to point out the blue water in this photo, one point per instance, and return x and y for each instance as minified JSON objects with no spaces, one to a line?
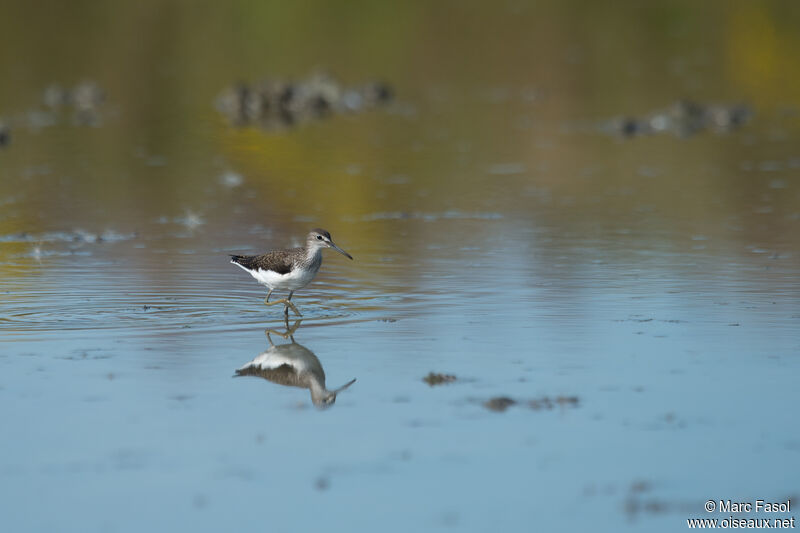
{"x":120,"y":417}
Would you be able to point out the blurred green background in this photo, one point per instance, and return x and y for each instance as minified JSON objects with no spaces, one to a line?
{"x":479,"y":85}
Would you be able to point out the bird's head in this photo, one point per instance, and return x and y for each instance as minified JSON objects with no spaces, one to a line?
{"x":325,"y":398}
{"x":319,"y":238}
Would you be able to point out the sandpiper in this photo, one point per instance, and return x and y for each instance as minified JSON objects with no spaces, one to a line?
{"x":294,"y":365}
{"x":288,"y":269}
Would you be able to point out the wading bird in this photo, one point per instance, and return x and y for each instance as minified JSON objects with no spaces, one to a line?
{"x":288,"y":269}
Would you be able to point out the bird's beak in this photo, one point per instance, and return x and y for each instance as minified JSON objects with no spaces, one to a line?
{"x":343,"y":387}
{"x":341,"y":251}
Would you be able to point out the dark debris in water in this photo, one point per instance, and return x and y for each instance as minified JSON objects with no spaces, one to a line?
{"x":84,"y":355}
{"x":683,"y":119}
{"x":5,"y":134}
{"x":147,"y":308}
{"x":200,"y":501}
{"x":322,"y":483}
{"x":499,"y":404}
{"x":275,"y":104}
{"x":181,"y":397}
{"x":639,"y":501}
{"x":548,"y":403}
{"x":433,"y":379}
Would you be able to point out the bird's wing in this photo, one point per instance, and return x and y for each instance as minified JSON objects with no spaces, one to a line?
{"x":282,"y":375}
{"x":278,"y":262}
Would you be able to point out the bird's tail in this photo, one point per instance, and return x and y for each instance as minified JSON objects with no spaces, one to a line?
{"x":245,"y":262}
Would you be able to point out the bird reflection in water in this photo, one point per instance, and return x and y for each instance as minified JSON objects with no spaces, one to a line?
{"x":294,"y":365}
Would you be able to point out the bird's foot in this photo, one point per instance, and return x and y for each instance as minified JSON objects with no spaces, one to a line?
{"x":287,"y":304}
{"x":289,"y":333}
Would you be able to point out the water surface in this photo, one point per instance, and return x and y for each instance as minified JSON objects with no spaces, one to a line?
{"x":499,"y":235}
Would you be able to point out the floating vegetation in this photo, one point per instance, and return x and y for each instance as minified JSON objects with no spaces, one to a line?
{"x":638,"y":501}
{"x":683,"y":119}
{"x":274,"y":104}
{"x":82,"y":104}
{"x":433,"y":379}
{"x":546,"y":403}
{"x":84,"y":100}
{"x":427,"y":217}
{"x":75,"y":236}
{"x":499,"y":403}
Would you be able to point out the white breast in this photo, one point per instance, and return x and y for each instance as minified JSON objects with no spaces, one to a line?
{"x":296,"y":279}
{"x":272,"y":359}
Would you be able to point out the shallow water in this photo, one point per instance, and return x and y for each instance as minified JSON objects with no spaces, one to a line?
{"x":496,"y":238}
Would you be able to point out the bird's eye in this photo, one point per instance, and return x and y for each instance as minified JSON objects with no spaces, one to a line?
{"x":319,"y":237}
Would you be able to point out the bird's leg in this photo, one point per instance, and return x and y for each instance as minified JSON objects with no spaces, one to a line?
{"x":285,"y":302}
{"x":290,"y":304}
{"x":266,"y":300}
{"x":289,"y":333}
{"x":284,"y":334}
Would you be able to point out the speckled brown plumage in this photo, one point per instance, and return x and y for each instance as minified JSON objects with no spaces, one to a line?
{"x":280,"y":261}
